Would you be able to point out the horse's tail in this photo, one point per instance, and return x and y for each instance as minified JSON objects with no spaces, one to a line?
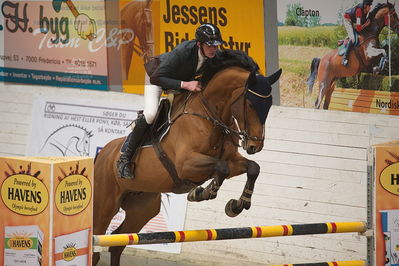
{"x":314,"y":67}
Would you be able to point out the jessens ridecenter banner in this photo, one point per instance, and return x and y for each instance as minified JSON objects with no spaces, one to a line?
{"x":54,"y":42}
{"x":174,"y":21}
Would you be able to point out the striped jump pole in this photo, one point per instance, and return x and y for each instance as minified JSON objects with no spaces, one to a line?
{"x":227,"y":233}
{"x":333,"y":263}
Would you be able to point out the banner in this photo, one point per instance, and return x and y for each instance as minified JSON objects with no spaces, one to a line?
{"x":71,"y":127}
{"x":312,"y":41}
{"x":174,"y":21}
{"x":386,"y":209}
{"x":56,"y":43}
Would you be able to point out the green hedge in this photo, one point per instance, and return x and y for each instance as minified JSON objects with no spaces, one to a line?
{"x":367,"y":81}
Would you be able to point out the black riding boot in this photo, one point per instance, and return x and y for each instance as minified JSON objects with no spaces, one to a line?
{"x":347,"y":51}
{"x":124,"y":163}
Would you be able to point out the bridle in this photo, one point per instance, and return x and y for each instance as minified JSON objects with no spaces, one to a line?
{"x":214,"y":118}
{"x":146,"y":47}
{"x":244,"y":136}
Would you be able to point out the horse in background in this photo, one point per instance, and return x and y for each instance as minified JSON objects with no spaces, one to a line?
{"x":136,"y":22}
{"x":201,"y":143}
{"x":361,"y":58}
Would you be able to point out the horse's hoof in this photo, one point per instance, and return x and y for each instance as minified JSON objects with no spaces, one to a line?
{"x":232,"y":209}
{"x":195,"y":194}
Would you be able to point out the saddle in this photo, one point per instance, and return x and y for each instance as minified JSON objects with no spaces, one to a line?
{"x":158,"y":129}
{"x":161,"y":124}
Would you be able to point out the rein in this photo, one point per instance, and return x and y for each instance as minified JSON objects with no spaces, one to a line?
{"x":215,"y":119}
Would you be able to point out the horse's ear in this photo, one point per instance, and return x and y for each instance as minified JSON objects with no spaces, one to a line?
{"x":251,"y":82}
{"x":274,"y":77}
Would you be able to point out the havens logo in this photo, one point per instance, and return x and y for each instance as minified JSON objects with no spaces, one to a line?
{"x":73,"y":194}
{"x":70,"y":252}
{"x":24,"y":193}
{"x":389,"y":178}
{"x":20,"y":243}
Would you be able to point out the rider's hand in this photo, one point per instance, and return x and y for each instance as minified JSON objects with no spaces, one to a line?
{"x":191,"y":85}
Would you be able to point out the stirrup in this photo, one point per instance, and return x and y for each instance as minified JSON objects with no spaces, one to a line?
{"x":124,"y":169}
{"x":345,"y":62}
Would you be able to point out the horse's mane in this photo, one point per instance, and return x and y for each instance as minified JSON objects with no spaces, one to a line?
{"x":224,"y":59}
{"x":378,"y":7}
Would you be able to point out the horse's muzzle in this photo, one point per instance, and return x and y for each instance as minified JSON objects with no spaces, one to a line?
{"x":250,"y":147}
{"x":251,"y":150}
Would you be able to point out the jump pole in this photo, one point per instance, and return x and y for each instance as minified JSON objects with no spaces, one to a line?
{"x":228,"y":233}
{"x":333,"y":263}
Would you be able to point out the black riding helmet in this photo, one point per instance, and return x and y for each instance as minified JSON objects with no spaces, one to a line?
{"x":367,"y":2}
{"x":208,"y":34}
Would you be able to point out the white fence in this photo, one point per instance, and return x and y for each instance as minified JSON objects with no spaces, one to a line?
{"x":313,"y":170}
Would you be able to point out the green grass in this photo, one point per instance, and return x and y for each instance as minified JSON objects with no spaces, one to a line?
{"x":322,"y":36}
{"x":295,"y":66}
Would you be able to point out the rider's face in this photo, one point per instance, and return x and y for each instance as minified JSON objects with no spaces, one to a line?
{"x":208,"y":51}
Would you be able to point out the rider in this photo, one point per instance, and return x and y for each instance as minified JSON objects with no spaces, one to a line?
{"x":355,"y":19}
{"x":176,"y":71}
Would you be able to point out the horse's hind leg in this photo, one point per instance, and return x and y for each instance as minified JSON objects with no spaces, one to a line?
{"x":235,"y":207}
{"x":328,"y":95}
{"x":139,"y":208}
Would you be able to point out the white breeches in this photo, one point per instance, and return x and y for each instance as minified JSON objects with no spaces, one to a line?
{"x":152,"y":94}
{"x":349,"y":29}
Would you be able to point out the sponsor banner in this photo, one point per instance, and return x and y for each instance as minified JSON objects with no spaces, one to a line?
{"x":311,"y":35}
{"x":386,"y":209}
{"x":174,"y":21}
{"x":30,"y":190}
{"x":73,"y":127}
{"x":57,"y":43}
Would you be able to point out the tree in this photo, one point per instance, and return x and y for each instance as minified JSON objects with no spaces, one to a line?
{"x":291,"y":18}
{"x":294,"y":17}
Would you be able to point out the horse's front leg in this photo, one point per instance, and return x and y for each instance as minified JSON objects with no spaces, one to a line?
{"x":199,"y":166}
{"x":235,"y":207}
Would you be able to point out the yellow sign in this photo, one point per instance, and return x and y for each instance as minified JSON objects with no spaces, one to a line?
{"x":24,"y":194}
{"x":390,"y":178}
{"x":73,"y":194}
{"x":174,"y":21}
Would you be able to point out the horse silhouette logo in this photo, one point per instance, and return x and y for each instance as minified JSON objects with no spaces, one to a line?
{"x":68,"y":140}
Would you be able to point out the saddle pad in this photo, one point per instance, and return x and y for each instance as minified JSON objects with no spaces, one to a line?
{"x":343,"y":46}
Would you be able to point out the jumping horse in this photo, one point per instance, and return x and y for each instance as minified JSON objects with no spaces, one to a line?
{"x":136,"y":22}
{"x":205,"y":129}
{"x":361,"y":58}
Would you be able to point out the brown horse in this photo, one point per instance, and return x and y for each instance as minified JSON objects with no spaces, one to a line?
{"x":136,"y":21}
{"x":202,"y":144}
{"x":361,"y":58}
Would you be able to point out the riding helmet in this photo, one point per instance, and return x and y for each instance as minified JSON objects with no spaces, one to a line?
{"x":208,"y":34}
{"x":367,"y":2}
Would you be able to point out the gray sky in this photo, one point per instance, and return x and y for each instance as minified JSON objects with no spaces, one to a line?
{"x":328,"y":9}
